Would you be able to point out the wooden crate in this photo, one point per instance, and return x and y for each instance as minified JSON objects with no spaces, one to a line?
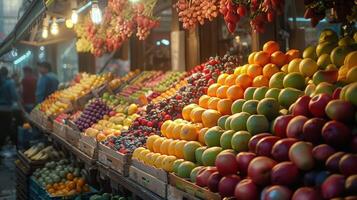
{"x":99,"y":91}
{"x":174,"y":193}
{"x":148,"y":181}
{"x":80,"y":103}
{"x":114,"y":160}
{"x":192,"y":188}
{"x":160,"y":174}
{"x":88,"y":146}
{"x":59,"y":129}
{"x":73,"y":137}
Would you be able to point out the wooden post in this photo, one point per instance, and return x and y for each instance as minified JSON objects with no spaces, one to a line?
{"x":178,"y":58}
{"x":208,"y":37}
{"x":192,"y":48}
{"x":136,"y":54}
{"x":86,"y":63}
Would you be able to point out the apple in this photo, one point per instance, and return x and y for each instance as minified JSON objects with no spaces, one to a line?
{"x":265,"y":145}
{"x":226,"y":163}
{"x":348,"y":164}
{"x":306,"y":193}
{"x":351,"y":184}
{"x":318,"y":103}
{"x":280,"y":124}
{"x":255,"y":139}
{"x":333,"y":162}
{"x":336,"y":134}
{"x":280,"y":151}
{"x":213,"y":181}
{"x":259,"y":170}
{"x":300,"y":154}
{"x":243,"y":159}
{"x":301,"y":106}
{"x":203,"y":175}
{"x":227,"y":185}
{"x":336,"y":93}
{"x":311,"y":130}
{"x":246,"y":190}
{"x":333,"y":186}
{"x":276,"y":192}
{"x":322,"y":152}
{"x":340,"y":110}
{"x":295,"y":127}
{"x":284,"y":173}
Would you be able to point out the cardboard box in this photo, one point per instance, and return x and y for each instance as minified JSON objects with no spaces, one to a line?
{"x":192,"y":188}
{"x":88,"y":146}
{"x":148,"y":181}
{"x":73,"y":137}
{"x":114,"y":159}
{"x":160,"y":174}
{"x":59,"y":129}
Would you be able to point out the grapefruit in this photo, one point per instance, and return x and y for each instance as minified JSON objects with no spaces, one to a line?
{"x":261,"y":58}
{"x":272,"y":93}
{"x":189,"y":132}
{"x":294,"y":65}
{"x":209,"y":155}
{"x":237,"y":106}
{"x":269,"y":107}
{"x":250,"y":106}
{"x":186,"y":111}
{"x":213,"y":135}
{"x":224,"y":106}
{"x":257,"y":124}
{"x":189,"y":150}
{"x":222,"y":121}
{"x":210,"y":118}
{"x":249,"y":92}
{"x":308,"y":67}
{"x":259,"y":93}
{"x":196,"y":114}
{"x":294,"y":80}
{"x":288,"y":96}
{"x":239,"y":120}
{"x":176,"y":164}
{"x":185,"y":168}
{"x":310,"y":52}
{"x":198,"y":154}
{"x":276,"y":81}
{"x":225,"y":140}
{"x":240,"y":141}
{"x":179,"y":148}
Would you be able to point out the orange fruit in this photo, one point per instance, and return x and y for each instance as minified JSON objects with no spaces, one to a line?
{"x":177,"y":130}
{"x":157,"y":144}
{"x":222,"y":78}
{"x":254,"y":70}
{"x":164,"y":127}
{"x":251,"y":57}
{"x":201,"y":135}
{"x":237,"y":71}
{"x":150,"y":142}
{"x":260,"y":81}
{"x":269,"y":70}
{"x":244,"y":69}
{"x":186,"y":111}
{"x":212,"y":103}
{"x":224,"y":106}
{"x":203,"y":101}
{"x":212,"y":89}
{"x":189,"y":132}
{"x":244,"y":81}
{"x":230,"y":80}
{"x":179,"y":148}
{"x":222,"y":91}
{"x":210,"y":118}
{"x":278,"y":58}
{"x":170,"y":130}
{"x":164,"y":147}
{"x":270,"y":47}
{"x":292,"y":54}
{"x":171,"y":149}
{"x":235,"y":92}
{"x":261,"y":58}
{"x":196,"y":114}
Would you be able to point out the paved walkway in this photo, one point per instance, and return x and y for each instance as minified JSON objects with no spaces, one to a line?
{"x":7,"y":173}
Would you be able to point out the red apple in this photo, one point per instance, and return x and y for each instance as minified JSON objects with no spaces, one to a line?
{"x":340,"y":110}
{"x":306,"y":193}
{"x":336,"y":134}
{"x":318,"y":103}
{"x":255,"y":139}
{"x":322,"y":152}
{"x":350,"y":198}
{"x":243,"y":160}
{"x":284,"y":173}
{"x":265,"y":145}
{"x":333,"y":186}
{"x":203,"y":175}
{"x":311,"y":131}
{"x":309,"y":178}
{"x":280,"y":124}
{"x":259,"y":170}
{"x":295,"y":127}
{"x":226,"y":163}
{"x":246,"y":190}
{"x":333,"y":162}
{"x":336,"y":93}
{"x":276,"y":192}
{"x":213,"y":181}
{"x":280,"y":151}
{"x":227,"y":185}
{"x":300,"y":154}
{"x":348,"y":164}
{"x":301,"y":106}
{"x":351,"y":184}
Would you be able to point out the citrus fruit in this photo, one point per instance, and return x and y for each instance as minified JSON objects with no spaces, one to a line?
{"x":352,"y":75}
{"x":157,"y":144}
{"x":272,"y":93}
{"x":185,"y":168}
{"x":189,"y":150}
{"x":288,"y":96}
{"x":225,"y":140}
{"x":270,"y":69}
{"x":212,"y":103}
{"x":201,"y":135}
{"x":254,"y":70}
{"x":209,"y":155}
{"x":150,"y":142}
{"x":276,"y":81}
{"x":222,"y":78}
{"x":230,"y":80}
{"x":308,"y":67}
{"x":179,"y":148}
{"x":292,"y":54}
{"x":239,"y":120}
{"x":249,"y":92}
{"x":294,"y":65}
{"x":237,"y":106}
{"x":278,"y":58}
{"x":310,"y":52}
{"x":260,"y":81}
{"x":198,"y":154}
{"x":294,"y":80}
{"x":271,"y":47}
{"x":251,"y":58}
{"x":244,"y":81}
{"x":323,"y":61}
{"x":186,"y":111}
{"x":203,"y":101}
{"x":164,"y":127}
{"x":235,"y":92}
{"x":177,"y":130}
{"x":222,"y":91}
{"x":269,"y":107}
{"x":168,"y":163}
{"x":189,"y":132}
{"x":224,"y":106}
{"x":196,"y":114}
{"x":159,"y":161}
{"x":261,"y":58}
{"x":210,"y":117}
{"x":164,"y":147}
{"x":259,"y":93}
{"x":240,"y":141}
{"x":176,"y":164}
{"x":213,"y":136}
{"x":351,"y":60}
{"x":170,"y":130}
{"x":171,"y":148}
{"x":250,"y":106}
{"x":212,"y":89}
{"x":257,"y":124}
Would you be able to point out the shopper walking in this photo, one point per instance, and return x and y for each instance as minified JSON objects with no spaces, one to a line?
{"x":28,"y":88}
{"x":47,"y":83}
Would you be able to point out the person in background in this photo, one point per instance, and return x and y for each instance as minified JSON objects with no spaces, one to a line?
{"x":47,"y":83}
{"x":28,"y":88}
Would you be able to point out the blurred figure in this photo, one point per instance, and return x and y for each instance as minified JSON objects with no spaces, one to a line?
{"x":28,"y":88}
{"x":47,"y":83}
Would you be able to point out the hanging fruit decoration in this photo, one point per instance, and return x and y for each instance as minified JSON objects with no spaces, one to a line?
{"x":121,"y":19}
{"x":193,"y":12}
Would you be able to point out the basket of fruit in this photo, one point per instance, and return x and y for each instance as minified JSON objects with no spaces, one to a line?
{"x":115,"y":160}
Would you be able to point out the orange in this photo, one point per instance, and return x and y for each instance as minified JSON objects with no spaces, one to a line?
{"x":196,"y":114}
{"x":244,"y":81}
{"x":179,"y":148}
{"x":254,"y":70}
{"x":292,"y":54}
{"x":260,"y":81}
{"x":212,"y":89}
{"x":157,"y":144}
{"x":212,"y":103}
{"x":164,"y":127}
{"x":189,"y":132}
{"x":164,"y":147}
{"x":177,"y":130}
{"x":171,"y":149}
{"x":235,"y":92}
{"x":251,"y":57}
{"x":210,"y":118}
{"x":222,"y":91}
{"x":230,"y":80}
{"x":237,"y":71}
{"x":101,"y":137}
{"x":244,"y":69}
{"x":261,"y":58}
{"x":170,"y":130}
{"x":269,"y":70}
{"x":222,"y":78}
{"x":278,"y":58}
{"x":186,"y":111}
{"x":203,"y":101}
{"x":270,"y":47}
{"x":224,"y":106}
{"x":201,"y":135}
{"x":150,"y":142}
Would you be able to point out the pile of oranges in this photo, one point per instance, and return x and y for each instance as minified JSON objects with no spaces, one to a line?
{"x":72,"y":186}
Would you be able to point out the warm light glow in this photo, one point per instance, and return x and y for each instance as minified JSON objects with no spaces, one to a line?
{"x":74,"y":16}
{"x":96,"y":13}
{"x":54,"y":27}
{"x":69,"y":23}
{"x":45,"y":33}
{"x":134,"y":1}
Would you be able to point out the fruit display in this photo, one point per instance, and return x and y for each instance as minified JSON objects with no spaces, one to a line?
{"x":39,"y":152}
{"x":107,"y":196}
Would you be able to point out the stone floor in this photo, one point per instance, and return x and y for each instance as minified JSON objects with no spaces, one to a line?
{"x":7,"y":173}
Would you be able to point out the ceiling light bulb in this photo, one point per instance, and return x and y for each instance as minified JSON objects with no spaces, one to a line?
{"x":74,"y":16}
{"x":54,"y":27}
{"x":96,"y":13}
{"x":45,"y":33}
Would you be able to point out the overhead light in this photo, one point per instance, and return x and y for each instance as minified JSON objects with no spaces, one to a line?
{"x":134,"y":1}
{"x":22,"y":58}
{"x":74,"y":16}
{"x":69,"y":23}
{"x":45,"y":33}
{"x":96,"y":13}
{"x":54,"y":27}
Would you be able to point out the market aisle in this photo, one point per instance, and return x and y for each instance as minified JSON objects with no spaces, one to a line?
{"x":7,"y":173}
